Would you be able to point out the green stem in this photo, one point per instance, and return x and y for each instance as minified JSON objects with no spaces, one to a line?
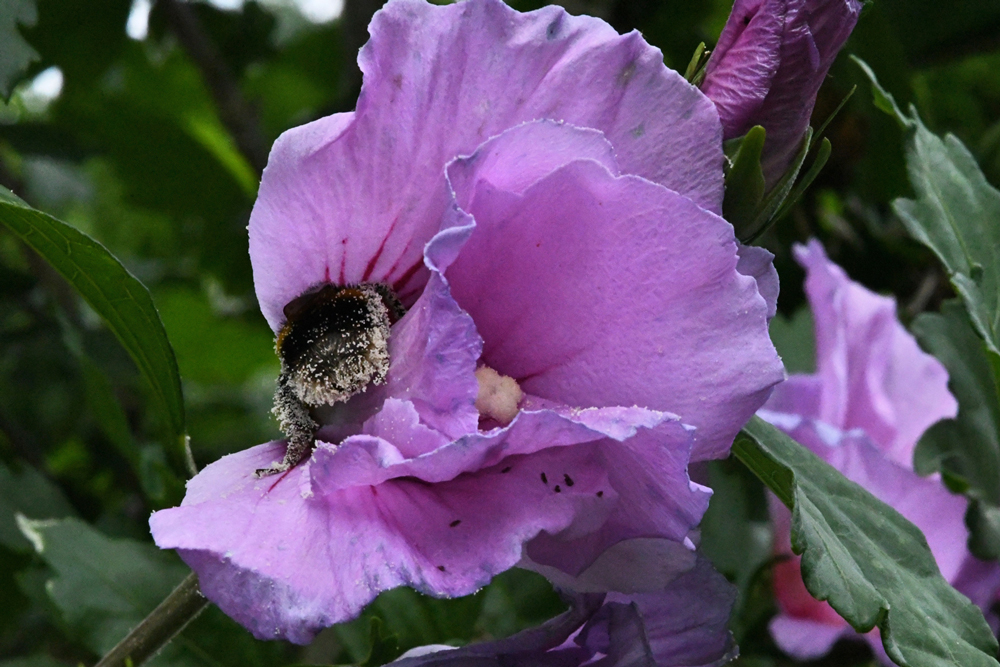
{"x":156,"y":630}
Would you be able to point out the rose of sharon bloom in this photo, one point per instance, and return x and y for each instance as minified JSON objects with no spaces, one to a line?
{"x":768,"y":65}
{"x":576,"y":249}
{"x":683,"y":625}
{"x":873,"y":395}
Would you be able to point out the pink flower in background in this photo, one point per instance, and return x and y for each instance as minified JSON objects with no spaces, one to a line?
{"x":576,"y":249}
{"x":873,"y":395}
{"x":768,"y":65}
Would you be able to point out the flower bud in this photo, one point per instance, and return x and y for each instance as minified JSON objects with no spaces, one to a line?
{"x":770,"y":61}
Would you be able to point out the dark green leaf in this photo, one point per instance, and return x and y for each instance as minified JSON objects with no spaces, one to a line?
{"x":822,"y":155}
{"x":745,"y":183}
{"x":15,"y":53}
{"x":103,"y":587}
{"x":385,"y":645}
{"x":33,"y":661}
{"x":29,"y":493}
{"x":113,"y":292}
{"x":956,"y":214}
{"x":795,"y":340}
{"x":860,"y":555}
{"x":966,"y":449}
{"x":736,"y":536}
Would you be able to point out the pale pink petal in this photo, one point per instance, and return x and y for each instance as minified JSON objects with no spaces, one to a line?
{"x":806,"y":639}
{"x":874,"y":375}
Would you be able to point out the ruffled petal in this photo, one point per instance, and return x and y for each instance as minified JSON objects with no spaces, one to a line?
{"x":434,"y":350}
{"x":758,"y":263}
{"x":874,"y":375}
{"x":687,"y":624}
{"x":638,"y":565}
{"x":361,"y":194}
{"x":544,"y":271}
{"x":287,"y":557}
{"x":683,"y":624}
{"x":655,"y":499}
{"x":365,"y":460}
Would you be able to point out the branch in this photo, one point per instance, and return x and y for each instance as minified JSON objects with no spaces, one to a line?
{"x":234,"y":111}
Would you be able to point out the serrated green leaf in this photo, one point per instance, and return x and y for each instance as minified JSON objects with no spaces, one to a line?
{"x":956,"y":214}
{"x":15,"y":53}
{"x":123,"y":301}
{"x":860,"y":555}
{"x":966,"y":449}
{"x":29,"y":493}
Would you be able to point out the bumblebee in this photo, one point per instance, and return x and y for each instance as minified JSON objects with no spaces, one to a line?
{"x":334,"y":345}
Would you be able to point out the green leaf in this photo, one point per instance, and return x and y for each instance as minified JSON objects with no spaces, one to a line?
{"x":966,"y":449}
{"x":104,"y":587}
{"x":695,"y":72}
{"x":15,"y":53}
{"x":956,"y":214}
{"x":41,"y":660}
{"x":745,"y":183}
{"x":795,"y":340}
{"x":822,"y":155}
{"x":736,"y":536}
{"x":29,"y":493}
{"x":860,"y":555}
{"x":385,"y":645}
{"x":123,"y":301}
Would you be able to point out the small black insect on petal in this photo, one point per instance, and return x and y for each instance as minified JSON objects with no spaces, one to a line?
{"x":545,"y":480}
{"x":507,"y":469}
{"x":600,"y":494}
{"x":569,"y":480}
{"x":441,"y":567}
{"x":557,"y":489}
{"x":454,"y":523}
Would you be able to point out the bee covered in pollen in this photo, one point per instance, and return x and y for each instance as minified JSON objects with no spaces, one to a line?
{"x":334,"y":345}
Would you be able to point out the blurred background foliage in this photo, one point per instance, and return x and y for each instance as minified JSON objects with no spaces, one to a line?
{"x":146,"y":126}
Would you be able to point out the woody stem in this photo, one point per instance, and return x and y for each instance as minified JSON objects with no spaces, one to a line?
{"x":156,"y":630}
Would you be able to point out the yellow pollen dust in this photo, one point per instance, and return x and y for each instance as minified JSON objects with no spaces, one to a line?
{"x":498,"y":395}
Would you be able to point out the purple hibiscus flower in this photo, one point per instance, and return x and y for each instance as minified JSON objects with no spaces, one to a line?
{"x":768,"y":65}
{"x":541,"y":195}
{"x":873,"y":395}
{"x":681,"y":625}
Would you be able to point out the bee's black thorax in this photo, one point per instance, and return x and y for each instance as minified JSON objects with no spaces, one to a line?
{"x":334,"y":345}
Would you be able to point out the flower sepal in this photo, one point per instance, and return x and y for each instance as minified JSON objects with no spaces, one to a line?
{"x":747,"y":205}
